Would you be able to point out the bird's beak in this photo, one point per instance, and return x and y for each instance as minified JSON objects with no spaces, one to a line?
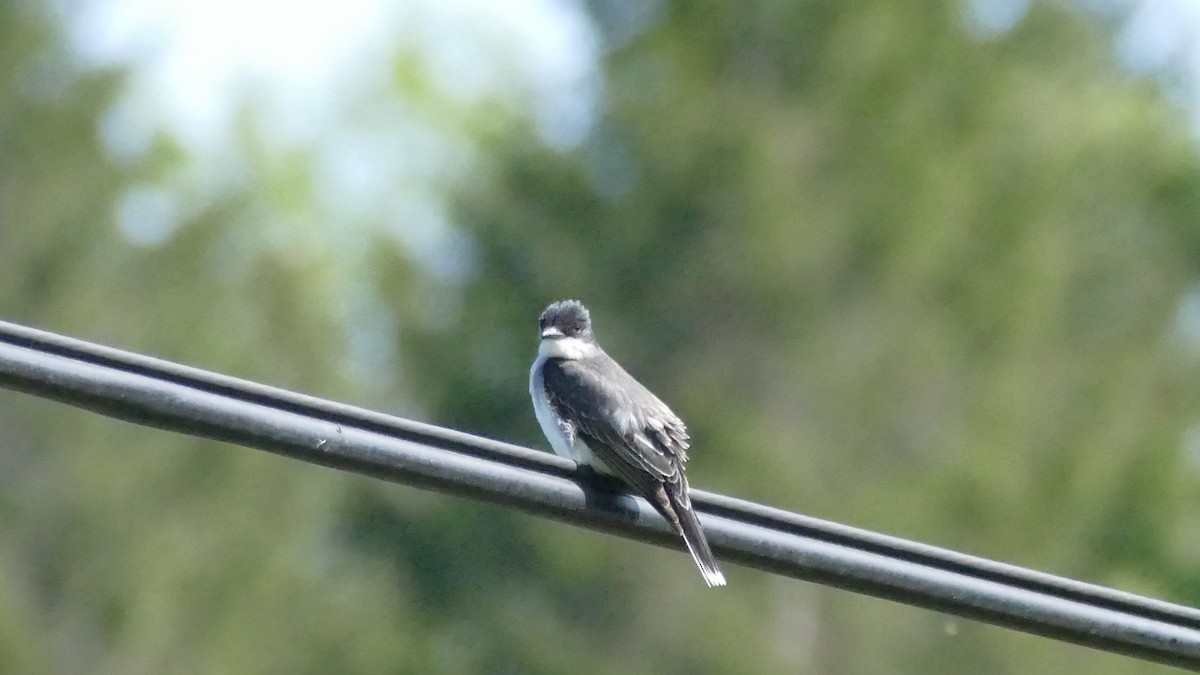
{"x":551,"y":333}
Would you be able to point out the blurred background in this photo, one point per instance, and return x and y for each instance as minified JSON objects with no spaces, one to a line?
{"x":931,"y":269}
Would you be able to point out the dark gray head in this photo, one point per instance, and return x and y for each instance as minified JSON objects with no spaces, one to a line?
{"x":566,"y":319}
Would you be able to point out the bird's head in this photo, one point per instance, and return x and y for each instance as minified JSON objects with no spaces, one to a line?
{"x":566,"y":330}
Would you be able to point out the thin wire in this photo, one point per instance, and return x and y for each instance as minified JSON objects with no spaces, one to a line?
{"x":158,"y":393}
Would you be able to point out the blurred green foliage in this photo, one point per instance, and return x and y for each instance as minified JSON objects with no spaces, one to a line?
{"x":890,"y":273}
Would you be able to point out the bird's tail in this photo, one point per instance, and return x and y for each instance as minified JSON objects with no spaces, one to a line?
{"x":688,"y":526}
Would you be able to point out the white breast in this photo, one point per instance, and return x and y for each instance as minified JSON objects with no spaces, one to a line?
{"x":579,"y":452}
{"x":545,"y":416}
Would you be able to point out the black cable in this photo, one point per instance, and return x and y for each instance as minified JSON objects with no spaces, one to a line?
{"x":179,"y":398}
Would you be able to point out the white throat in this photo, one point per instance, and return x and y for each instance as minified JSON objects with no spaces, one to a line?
{"x":565,"y":348}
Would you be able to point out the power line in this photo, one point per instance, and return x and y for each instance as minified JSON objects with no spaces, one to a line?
{"x":170,"y":396}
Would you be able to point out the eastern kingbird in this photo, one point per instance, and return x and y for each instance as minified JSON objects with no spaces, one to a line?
{"x":595,"y":413}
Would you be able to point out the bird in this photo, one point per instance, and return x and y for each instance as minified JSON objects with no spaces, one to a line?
{"x":595,"y":413}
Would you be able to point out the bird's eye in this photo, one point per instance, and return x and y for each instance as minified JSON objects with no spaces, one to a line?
{"x":579,"y":327}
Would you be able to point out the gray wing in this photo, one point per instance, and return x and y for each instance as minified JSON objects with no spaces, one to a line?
{"x":634,"y":434}
{"x":625,"y":426}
